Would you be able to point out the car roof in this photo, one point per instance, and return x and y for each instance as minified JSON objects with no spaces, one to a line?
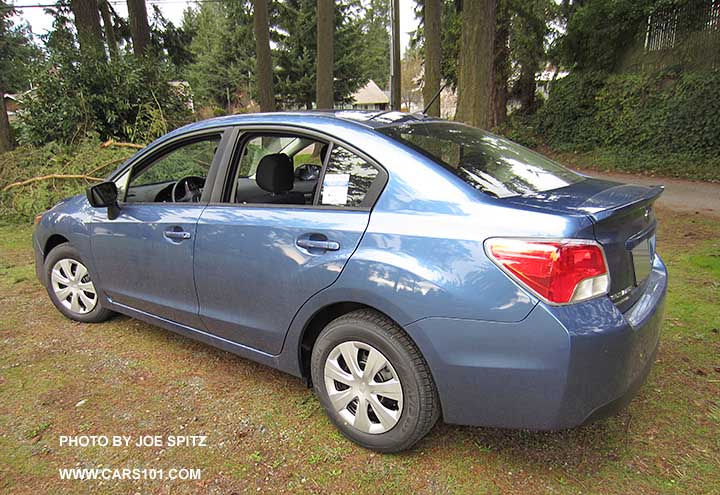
{"x":366,"y":118}
{"x":363,"y":119}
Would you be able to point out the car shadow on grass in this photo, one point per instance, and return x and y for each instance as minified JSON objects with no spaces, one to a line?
{"x":585,"y":448}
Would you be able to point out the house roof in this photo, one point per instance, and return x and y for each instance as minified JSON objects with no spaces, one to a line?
{"x":370,"y":94}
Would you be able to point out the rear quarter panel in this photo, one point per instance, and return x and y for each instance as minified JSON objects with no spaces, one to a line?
{"x":422,"y":255}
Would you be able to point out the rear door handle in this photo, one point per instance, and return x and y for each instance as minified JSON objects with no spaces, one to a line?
{"x":177,"y":235}
{"x":313,"y":244}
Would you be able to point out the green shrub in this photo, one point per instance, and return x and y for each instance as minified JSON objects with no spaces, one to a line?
{"x":567,"y":119}
{"x":666,"y":122}
{"x":123,"y":98}
{"x":668,"y":111}
{"x":20,"y":204}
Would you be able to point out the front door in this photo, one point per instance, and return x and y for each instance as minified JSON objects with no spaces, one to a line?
{"x":144,"y":257}
{"x":257,"y":261}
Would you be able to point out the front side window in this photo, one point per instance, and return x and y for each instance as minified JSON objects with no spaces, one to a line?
{"x":487,"y":162}
{"x":347,"y":179}
{"x":177,"y":176}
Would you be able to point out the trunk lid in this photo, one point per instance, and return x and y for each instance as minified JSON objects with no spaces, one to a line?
{"x":623,"y":222}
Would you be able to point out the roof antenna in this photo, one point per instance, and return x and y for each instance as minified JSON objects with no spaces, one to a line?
{"x":437,"y":95}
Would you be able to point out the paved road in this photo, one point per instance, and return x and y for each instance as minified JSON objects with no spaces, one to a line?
{"x":680,"y":195}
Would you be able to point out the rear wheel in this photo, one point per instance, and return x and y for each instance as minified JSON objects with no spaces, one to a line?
{"x":373,"y":382}
{"x":70,"y":288}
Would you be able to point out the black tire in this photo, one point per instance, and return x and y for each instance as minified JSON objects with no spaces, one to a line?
{"x":421,"y":408}
{"x":66,"y":251}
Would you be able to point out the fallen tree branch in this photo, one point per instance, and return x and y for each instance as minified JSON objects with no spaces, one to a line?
{"x":110,"y":142}
{"x":51,"y":176}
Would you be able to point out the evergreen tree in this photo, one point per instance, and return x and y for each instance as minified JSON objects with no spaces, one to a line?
{"x":476,"y":64}
{"x":223,"y":50}
{"x":108,"y":28}
{"x":295,"y":55}
{"x":264,"y":67}
{"x":528,"y":31}
{"x":139,"y":26}
{"x":171,"y":42}
{"x":432,"y":51}
{"x":376,"y":42}
{"x":87,"y":24}
{"x":17,"y":53}
{"x":324,"y":43}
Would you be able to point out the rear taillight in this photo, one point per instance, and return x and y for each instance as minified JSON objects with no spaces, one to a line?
{"x":560,"y":272}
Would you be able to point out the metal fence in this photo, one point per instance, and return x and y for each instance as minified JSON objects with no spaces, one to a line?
{"x":670,"y":27}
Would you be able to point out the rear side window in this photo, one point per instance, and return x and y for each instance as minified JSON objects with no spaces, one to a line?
{"x":347,"y":179}
{"x":487,"y":162}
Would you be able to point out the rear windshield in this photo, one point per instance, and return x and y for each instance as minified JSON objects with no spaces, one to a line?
{"x":487,"y":162}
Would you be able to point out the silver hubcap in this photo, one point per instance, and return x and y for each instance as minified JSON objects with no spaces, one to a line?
{"x":72,"y":286}
{"x":363,"y":387}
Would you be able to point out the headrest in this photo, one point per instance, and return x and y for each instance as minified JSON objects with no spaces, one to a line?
{"x":275,"y":173}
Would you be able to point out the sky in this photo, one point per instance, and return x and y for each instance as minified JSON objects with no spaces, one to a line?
{"x":40,"y":22}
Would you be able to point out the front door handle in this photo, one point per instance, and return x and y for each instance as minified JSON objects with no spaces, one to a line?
{"x":314,"y":244}
{"x":176,"y":235}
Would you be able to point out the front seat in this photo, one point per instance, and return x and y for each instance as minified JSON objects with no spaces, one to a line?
{"x":275,"y":174}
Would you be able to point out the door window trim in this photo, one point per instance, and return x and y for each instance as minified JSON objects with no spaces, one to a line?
{"x":244,"y":132}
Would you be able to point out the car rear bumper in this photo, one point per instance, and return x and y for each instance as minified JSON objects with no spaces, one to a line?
{"x":558,"y":368}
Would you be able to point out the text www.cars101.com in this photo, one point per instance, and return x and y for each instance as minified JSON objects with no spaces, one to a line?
{"x":129,"y":474}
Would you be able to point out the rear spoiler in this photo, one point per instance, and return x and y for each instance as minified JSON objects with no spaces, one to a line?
{"x":646,"y":199}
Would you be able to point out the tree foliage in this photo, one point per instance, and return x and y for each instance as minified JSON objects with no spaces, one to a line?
{"x":598,"y":33}
{"x":223,"y":51}
{"x":17,"y":52}
{"x":295,"y":55}
{"x":78,"y":94}
{"x":173,"y":42}
{"x":376,"y":42}
{"x":529,"y":29}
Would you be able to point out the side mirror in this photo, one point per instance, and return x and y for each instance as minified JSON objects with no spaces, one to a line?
{"x":104,"y":195}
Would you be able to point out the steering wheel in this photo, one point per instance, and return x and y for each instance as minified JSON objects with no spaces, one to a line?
{"x":307,"y":171}
{"x":188,"y":189}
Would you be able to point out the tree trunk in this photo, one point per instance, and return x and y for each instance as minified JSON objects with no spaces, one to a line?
{"x":6,"y":140}
{"x":502,"y":63}
{"x":433,"y":51}
{"x":87,"y":23}
{"x":325,"y":34}
{"x":263,"y":58}
{"x":110,"y":39}
{"x":475,"y":78}
{"x":139,"y":27}
{"x":395,"y":71}
{"x":527,"y":87}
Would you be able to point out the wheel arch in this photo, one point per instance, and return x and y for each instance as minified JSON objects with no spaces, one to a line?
{"x":320,"y":319}
{"x":52,"y":242}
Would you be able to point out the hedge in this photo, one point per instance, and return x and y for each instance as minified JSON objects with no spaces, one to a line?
{"x":663,"y":112}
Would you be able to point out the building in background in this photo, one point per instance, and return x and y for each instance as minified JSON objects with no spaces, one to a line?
{"x":369,"y":97}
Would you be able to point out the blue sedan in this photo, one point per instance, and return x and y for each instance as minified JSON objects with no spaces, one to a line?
{"x":407,"y":267}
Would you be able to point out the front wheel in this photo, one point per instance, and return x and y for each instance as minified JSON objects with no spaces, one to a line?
{"x":70,"y":288}
{"x":373,"y":382}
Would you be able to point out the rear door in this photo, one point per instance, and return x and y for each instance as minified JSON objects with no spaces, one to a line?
{"x":257,"y":263}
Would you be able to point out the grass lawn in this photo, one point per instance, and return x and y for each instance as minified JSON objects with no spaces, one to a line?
{"x":266,"y":432}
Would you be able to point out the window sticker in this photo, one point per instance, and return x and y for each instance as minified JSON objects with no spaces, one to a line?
{"x":335,"y":189}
